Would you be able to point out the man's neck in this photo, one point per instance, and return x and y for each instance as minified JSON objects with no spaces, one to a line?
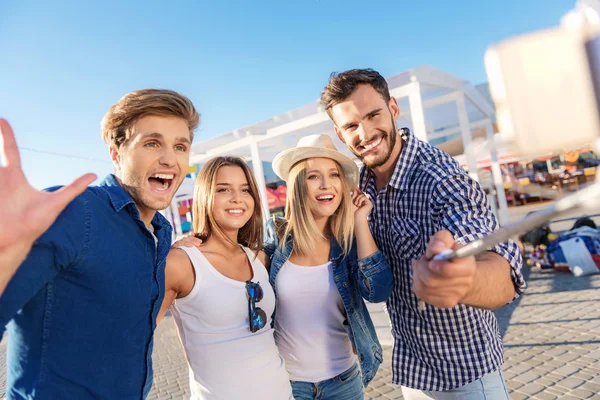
{"x":146,"y":214}
{"x":384,"y":172}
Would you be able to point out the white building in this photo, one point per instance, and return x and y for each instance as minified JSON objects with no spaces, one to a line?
{"x":439,"y":107}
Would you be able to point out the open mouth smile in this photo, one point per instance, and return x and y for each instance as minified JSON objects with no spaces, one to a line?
{"x":236,"y":212}
{"x":325,"y":198}
{"x":372,"y":145}
{"x":161,"y":182}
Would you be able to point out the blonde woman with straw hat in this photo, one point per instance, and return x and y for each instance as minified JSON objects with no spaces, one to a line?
{"x":324,"y":264}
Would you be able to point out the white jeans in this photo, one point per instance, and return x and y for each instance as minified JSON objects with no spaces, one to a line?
{"x":490,"y":387}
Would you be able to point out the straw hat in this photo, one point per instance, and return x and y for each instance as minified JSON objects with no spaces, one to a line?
{"x":310,"y":147}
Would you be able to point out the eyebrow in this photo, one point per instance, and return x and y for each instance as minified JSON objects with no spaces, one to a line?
{"x":157,"y":135}
{"x":229,"y":184}
{"x":315,"y":170}
{"x":369,"y":114}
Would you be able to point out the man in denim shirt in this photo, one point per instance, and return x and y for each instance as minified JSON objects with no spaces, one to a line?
{"x":83,"y":305}
{"x":425,"y":203}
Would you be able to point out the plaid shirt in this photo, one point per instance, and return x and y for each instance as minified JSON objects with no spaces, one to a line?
{"x":435,"y":349}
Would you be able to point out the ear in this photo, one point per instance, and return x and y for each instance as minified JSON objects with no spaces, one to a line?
{"x":338,"y":132}
{"x":394,"y":108}
{"x":114,"y":156}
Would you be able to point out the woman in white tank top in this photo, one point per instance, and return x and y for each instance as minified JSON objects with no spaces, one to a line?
{"x":220,"y":294}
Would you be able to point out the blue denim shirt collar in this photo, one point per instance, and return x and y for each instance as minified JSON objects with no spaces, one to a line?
{"x":119,"y":199}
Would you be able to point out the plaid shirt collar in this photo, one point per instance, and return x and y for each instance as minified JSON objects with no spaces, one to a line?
{"x":400,"y":179}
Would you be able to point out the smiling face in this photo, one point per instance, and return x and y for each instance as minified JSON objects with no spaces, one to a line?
{"x":233,"y":201}
{"x":153,"y":162}
{"x":324,"y":186}
{"x":366,"y":124}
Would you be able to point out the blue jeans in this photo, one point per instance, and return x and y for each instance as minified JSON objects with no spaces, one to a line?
{"x":347,"y":386}
{"x":490,"y":387}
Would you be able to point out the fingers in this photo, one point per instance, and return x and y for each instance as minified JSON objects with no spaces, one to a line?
{"x":9,"y":151}
{"x":65,"y":195}
{"x":439,"y":242}
{"x":359,"y":200}
{"x":187,"y":241}
{"x":444,"y":287}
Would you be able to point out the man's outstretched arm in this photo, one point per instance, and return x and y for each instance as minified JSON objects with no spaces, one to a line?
{"x":25,"y":213}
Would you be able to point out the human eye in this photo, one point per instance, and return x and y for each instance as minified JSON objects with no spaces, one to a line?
{"x":181,"y":147}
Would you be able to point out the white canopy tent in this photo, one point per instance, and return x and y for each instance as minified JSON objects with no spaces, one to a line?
{"x":436,"y":105}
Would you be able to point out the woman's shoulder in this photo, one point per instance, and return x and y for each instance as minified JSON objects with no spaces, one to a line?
{"x":259,"y":255}
{"x":263,"y":258}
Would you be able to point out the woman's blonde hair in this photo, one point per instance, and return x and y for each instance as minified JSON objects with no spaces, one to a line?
{"x":204,"y":223}
{"x":300,"y":220}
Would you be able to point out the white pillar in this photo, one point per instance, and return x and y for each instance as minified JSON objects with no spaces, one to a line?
{"x":497,"y":175}
{"x":176,"y":219}
{"x":465,"y":130}
{"x":416,"y":111}
{"x":260,"y":179}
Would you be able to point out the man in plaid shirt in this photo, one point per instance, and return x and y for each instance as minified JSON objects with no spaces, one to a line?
{"x":425,"y":203}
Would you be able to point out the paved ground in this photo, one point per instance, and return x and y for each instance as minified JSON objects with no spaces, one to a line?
{"x":551,"y":336}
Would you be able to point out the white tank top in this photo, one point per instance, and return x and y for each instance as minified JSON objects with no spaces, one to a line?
{"x":227,"y":361}
{"x":309,"y":329}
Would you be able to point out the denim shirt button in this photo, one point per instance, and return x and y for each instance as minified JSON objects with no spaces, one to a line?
{"x":352,"y":311}
{"x":345,"y":284}
{"x":363,"y":267}
{"x":362,"y":357}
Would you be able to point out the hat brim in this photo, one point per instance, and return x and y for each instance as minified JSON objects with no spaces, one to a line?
{"x":284,"y":161}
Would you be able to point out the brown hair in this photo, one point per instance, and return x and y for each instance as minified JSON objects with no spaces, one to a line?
{"x":204,"y":224}
{"x":301,"y":222}
{"x":122,"y":116}
{"x":342,"y":85}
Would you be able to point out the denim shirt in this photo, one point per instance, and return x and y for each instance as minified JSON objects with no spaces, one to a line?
{"x":83,"y":305}
{"x":350,"y":276}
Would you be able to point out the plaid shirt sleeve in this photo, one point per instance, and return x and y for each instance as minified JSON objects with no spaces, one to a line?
{"x":460,"y":206}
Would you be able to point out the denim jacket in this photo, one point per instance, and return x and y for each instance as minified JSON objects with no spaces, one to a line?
{"x":351,"y":276}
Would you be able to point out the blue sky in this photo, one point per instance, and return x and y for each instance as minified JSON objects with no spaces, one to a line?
{"x":64,"y":64}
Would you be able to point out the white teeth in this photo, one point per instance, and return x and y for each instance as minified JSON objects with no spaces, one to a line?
{"x":163,"y":176}
{"x":325,"y":197}
{"x":372,"y":145}
{"x":238,"y":212}
{"x":165,"y":185}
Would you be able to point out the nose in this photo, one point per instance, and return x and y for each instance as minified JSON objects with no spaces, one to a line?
{"x":236,"y":197}
{"x":362,"y":132}
{"x":168,"y":157}
{"x":325,"y":184}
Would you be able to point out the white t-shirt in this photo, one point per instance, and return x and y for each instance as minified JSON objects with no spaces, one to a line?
{"x":227,"y":361}
{"x":309,"y":329}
